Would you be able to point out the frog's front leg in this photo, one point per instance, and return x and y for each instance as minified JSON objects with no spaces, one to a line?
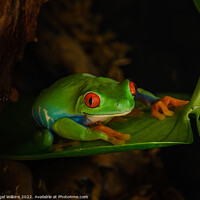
{"x":70,"y":129}
{"x":160,"y":109}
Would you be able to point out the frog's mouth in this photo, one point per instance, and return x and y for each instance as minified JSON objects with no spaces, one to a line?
{"x":107,"y":115}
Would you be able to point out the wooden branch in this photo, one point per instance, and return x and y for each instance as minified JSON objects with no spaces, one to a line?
{"x":18,"y":22}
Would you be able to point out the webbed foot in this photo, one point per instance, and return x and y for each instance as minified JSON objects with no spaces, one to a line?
{"x":160,"y":108}
{"x":114,"y":137}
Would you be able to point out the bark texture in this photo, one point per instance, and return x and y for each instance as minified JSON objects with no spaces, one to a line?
{"x":18,"y":22}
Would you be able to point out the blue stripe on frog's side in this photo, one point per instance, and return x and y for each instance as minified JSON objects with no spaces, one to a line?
{"x":44,"y":118}
{"x":147,"y":99}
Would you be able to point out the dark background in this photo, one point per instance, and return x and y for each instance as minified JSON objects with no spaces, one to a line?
{"x":163,"y":36}
{"x":165,"y":40}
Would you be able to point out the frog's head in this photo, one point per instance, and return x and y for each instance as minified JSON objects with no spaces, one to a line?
{"x":104,"y":97}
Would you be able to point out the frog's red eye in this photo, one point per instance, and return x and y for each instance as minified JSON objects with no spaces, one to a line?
{"x":132,"y":88}
{"x":92,"y":100}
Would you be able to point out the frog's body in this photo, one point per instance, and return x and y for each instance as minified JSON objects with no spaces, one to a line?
{"x":77,"y":101}
{"x":61,"y":100}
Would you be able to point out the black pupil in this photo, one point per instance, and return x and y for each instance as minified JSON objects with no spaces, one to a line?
{"x":90,"y":101}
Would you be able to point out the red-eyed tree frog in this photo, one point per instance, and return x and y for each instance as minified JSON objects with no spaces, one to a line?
{"x":76,"y":107}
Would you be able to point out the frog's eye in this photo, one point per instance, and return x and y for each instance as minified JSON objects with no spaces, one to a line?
{"x":132,"y":87}
{"x":92,"y":100}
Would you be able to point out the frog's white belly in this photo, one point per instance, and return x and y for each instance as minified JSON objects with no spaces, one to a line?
{"x":93,"y":120}
{"x":102,"y":118}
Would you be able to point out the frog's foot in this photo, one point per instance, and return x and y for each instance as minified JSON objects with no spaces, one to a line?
{"x":114,"y":137}
{"x":160,"y":108}
{"x":43,"y":137}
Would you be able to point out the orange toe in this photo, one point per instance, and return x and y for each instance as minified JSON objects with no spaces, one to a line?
{"x":156,"y":113}
{"x":116,"y":141}
{"x":174,"y":102}
{"x":114,"y":137}
{"x":160,"y":109}
{"x":125,"y":137}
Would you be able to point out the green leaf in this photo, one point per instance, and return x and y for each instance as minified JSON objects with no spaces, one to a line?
{"x":194,"y":105}
{"x":197,"y":4}
{"x":146,"y":133}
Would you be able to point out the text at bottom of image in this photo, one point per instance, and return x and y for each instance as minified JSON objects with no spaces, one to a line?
{"x":43,"y":196}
